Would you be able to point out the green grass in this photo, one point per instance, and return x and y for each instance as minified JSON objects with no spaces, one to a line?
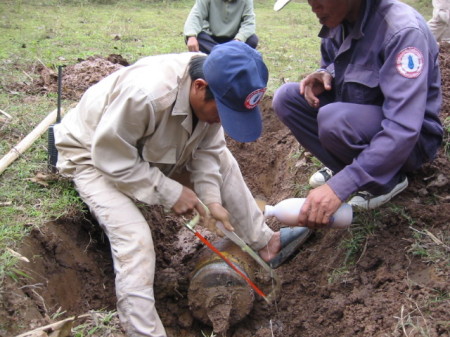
{"x":430,"y":248}
{"x":446,"y":140}
{"x":100,"y":323}
{"x":353,"y":246}
{"x":55,"y":32}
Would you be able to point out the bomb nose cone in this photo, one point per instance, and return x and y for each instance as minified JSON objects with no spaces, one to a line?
{"x":219,"y":311}
{"x":217,"y":295}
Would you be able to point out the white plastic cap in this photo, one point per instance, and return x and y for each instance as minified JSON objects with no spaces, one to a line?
{"x":269,"y":210}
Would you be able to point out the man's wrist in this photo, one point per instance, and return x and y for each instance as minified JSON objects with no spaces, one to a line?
{"x":324,"y":70}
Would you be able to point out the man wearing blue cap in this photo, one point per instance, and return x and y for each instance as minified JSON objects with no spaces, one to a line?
{"x":133,"y":133}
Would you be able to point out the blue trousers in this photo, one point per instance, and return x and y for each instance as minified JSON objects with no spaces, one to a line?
{"x":336,"y":132}
{"x":207,"y":42}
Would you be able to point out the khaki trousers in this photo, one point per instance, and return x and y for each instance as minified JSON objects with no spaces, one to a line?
{"x":132,"y":245}
{"x":439,"y":24}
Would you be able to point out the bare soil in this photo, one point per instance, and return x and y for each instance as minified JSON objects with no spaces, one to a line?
{"x":390,"y":281}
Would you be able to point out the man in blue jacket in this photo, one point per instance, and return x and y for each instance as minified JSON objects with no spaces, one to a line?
{"x":370,"y":114}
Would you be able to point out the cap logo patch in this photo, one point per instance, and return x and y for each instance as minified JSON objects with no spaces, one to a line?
{"x":254,"y":98}
{"x":410,"y":62}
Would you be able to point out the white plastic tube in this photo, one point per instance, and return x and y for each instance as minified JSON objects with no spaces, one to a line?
{"x":288,"y":210}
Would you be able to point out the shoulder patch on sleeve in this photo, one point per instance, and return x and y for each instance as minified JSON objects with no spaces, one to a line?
{"x":410,"y":62}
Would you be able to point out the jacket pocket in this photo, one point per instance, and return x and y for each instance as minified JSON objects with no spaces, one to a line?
{"x":159,"y":154}
{"x":361,"y":85}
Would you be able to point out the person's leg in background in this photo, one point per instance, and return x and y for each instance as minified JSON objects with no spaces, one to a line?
{"x":439,"y":24}
{"x":293,"y":110}
{"x":206,"y":42}
{"x":252,"y":41}
{"x":334,"y":138}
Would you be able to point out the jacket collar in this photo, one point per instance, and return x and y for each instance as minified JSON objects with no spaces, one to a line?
{"x":182,"y":106}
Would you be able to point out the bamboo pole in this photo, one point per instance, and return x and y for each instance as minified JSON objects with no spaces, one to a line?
{"x":59,"y":327}
{"x":4,"y":113}
{"x":25,"y":143}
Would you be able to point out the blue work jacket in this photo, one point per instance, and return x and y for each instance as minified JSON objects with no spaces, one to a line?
{"x":388,"y":58}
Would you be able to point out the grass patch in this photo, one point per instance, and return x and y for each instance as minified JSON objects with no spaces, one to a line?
{"x":364,"y":225}
{"x":99,"y":323}
{"x":429,"y":247}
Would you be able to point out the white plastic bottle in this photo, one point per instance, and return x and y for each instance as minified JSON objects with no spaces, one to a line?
{"x":287,"y":211}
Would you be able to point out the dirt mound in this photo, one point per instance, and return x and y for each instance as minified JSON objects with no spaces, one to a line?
{"x":76,"y":78}
{"x":386,"y":279}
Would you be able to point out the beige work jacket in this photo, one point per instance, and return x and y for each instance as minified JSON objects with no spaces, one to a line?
{"x":136,"y":127}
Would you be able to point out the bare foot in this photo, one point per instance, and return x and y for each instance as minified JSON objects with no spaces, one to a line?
{"x":272,"y":248}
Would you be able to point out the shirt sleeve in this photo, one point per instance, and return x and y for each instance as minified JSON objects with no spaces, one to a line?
{"x":248,"y":24}
{"x":404,"y":83}
{"x":127,"y":119}
{"x":205,"y":165}
{"x":198,"y":14}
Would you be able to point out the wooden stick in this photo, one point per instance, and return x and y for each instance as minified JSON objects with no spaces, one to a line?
{"x":7,"y":115}
{"x":25,"y":143}
{"x":51,"y":327}
{"x":29,"y":76}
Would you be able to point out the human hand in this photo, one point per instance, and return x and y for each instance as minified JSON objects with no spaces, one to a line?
{"x":218,"y":213}
{"x":318,"y":208}
{"x":187,"y":202}
{"x":315,"y":84}
{"x":192,"y":44}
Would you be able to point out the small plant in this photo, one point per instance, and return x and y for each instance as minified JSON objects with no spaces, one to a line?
{"x":431,"y":248}
{"x":316,"y":163}
{"x":57,"y":314}
{"x":100,"y":323}
{"x":354,"y":246}
{"x":364,"y":225}
{"x":413,"y":323}
{"x":400,"y":211}
{"x":338,"y":274}
{"x":300,"y":190}
{"x":446,"y":140}
{"x":415,"y":318}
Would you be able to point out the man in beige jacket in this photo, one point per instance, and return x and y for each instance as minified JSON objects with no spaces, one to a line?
{"x":135,"y":130}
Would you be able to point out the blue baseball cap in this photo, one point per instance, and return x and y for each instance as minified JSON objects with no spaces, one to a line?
{"x":237,"y":76}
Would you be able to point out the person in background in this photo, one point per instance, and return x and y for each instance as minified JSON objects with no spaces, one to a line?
{"x":370,"y":114}
{"x":440,"y":22}
{"x":137,"y":131}
{"x":212,"y":22}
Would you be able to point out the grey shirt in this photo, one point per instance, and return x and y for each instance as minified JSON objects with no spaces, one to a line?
{"x":232,"y":19}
